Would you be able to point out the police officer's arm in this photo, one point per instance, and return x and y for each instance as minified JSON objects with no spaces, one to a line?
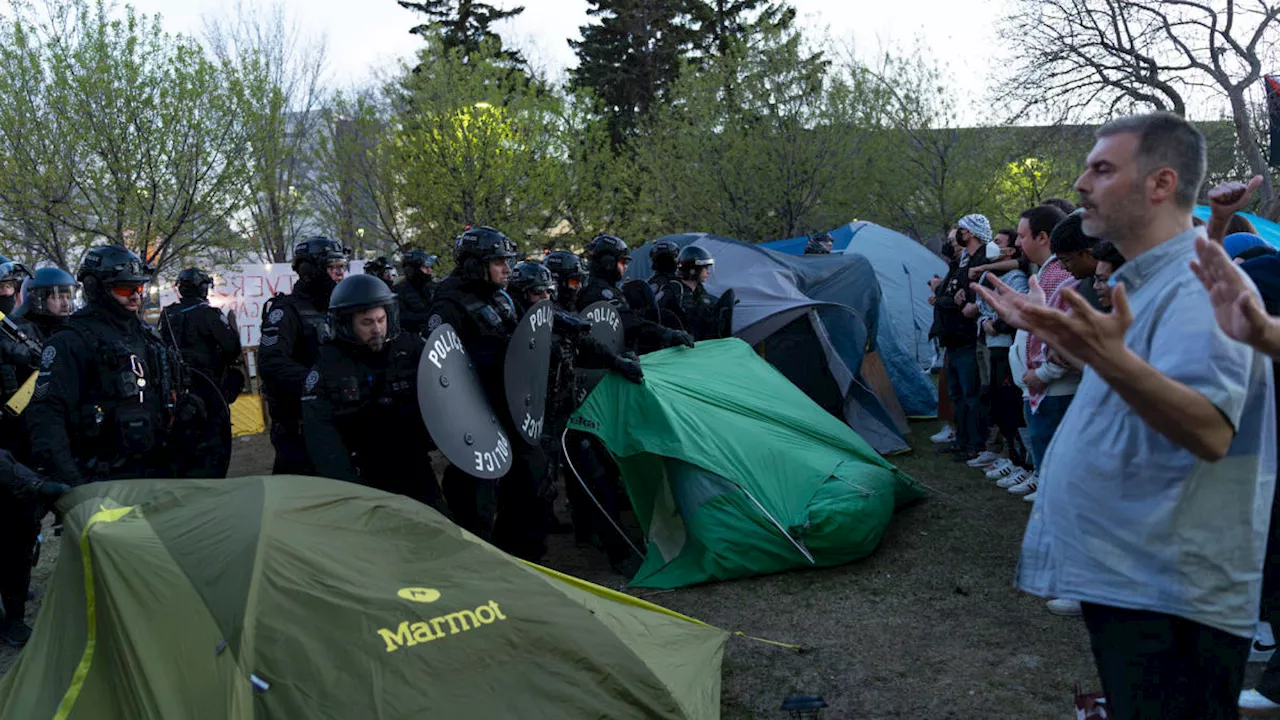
{"x":594,"y":355}
{"x":414,"y":314}
{"x":648,"y":335}
{"x":328,"y":452}
{"x":53,"y":406}
{"x":280,"y":334}
{"x":227,"y":338}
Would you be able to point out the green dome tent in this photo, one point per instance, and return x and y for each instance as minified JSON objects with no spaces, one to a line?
{"x":733,"y":471}
{"x":291,"y":597}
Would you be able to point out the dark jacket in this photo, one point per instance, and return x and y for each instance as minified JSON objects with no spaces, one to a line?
{"x":293,"y":328}
{"x":950,"y":326}
{"x":202,"y":334}
{"x":414,"y":296}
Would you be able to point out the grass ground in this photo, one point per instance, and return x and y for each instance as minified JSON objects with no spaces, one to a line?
{"x":927,"y":627}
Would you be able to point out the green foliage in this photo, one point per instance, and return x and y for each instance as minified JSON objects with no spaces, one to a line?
{"x":139,"y":140}
{"x":474,"y":144}
{"x":464,"y":25}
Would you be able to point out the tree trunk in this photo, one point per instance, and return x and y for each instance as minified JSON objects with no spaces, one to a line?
{"x":1253,"y":154}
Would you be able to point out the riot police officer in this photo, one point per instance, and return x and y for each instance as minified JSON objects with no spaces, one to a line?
{"x":108,"y":390}
{"x":607,"y":260}
{"x":24,"y":496}
{"x":416,"y":291}
{"x":293,"y":328}
{"x":381,"y":268}
{"x":663,"y":256}
{"x":473,"y":300}
{"x":570,"y":276}
{"x":819,"y":244}
{"x":48,"y":299}
{"x":202,"y":334}
{"x":688,"y":300}
{"x":11,"y":276}
{"x":360,"y":401}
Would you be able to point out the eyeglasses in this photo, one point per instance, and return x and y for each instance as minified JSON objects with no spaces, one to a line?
{"x":125,"y":291}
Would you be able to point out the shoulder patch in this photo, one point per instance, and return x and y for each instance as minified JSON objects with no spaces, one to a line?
{"x":313,"y":378}
{"x":434,"y":322}
{"x":268,"y":340}
{"x":46,"y":357}
{"x":275,"y":315}
{"x":607,"y":293}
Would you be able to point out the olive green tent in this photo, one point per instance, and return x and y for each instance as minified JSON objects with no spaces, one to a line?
{"x":290,"y":597}
{"x":733,"y":471}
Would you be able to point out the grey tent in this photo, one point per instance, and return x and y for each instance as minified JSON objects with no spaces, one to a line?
{"x":903,"y":267}
{"x":816,"y":320}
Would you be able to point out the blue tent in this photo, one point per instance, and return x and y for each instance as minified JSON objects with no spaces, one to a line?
{"x":903,"y":267}
{"x":817,"y":320}
{"x":1267,"y":230}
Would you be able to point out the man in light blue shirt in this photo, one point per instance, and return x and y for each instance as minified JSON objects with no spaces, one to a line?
{"x":1159,"y":481}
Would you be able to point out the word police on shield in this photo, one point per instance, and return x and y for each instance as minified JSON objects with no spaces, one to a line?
{"x":456,"y":411}
{"x":526,"y":369}
{"x":606,"y":324}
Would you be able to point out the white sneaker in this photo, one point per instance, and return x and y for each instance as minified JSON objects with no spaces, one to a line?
{"x":984,"y":459}
{"x":1027,"y":485}
{"x":1062,"y":606}
{"x":1255,"y":704}
{"x":1030,"y":497}
{"x":945,"y":435}
{"x":1015,"y":477}
{"x":1264,"y":643}
{"x":1002,"y":468}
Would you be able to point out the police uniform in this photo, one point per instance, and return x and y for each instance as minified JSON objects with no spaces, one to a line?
{"x":643,"y":336}
{"x":697,"y":310}
{"x":107,"y":392}
{"x":203,"y":335}
{"x":24,"y":495}
{"x":361,"y":419}
{"x":415,"y":294}
{"x":294,"y":326}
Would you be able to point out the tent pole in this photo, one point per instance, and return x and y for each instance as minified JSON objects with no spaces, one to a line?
{"x":565,"y":448}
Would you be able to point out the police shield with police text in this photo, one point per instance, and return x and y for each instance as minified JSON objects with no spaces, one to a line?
{"x":608,"y":257}
{"x":526,"y":369}
{"x":293,"y":328}
{"x":109,"y":390}
{"x":473,"y":300}
{"x":456,"y":411}
{"x":360,"y":400}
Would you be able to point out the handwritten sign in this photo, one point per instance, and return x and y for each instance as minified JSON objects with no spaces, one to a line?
{"x":244,"y":291}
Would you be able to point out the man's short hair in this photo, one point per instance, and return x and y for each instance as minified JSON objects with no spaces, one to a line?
{"x":1043,"y":218}
{"x":1240,"y":224}
{"x":1007,"y":232}
{"x":1063,"y":204}
{"x":1068,"y":237}
{"x":1166,"y":140}
{"x":1105,"y":251}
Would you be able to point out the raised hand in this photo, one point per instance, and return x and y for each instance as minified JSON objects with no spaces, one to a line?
{"x":1235,"y":305}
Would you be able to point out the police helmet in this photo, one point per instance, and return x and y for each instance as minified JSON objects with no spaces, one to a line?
{"x":313,"y":255}
{"x":110,"y":266}
{"x":193,"y":282}
{"x":603,"y":255}
{"x":357,"y":293}
{"x":663,"y":255}
{"x":11,"y":271}
{"x":414,"y":259}
{"x":569,"y":273}
{"x":45,"y":283}
{"x":692,"y":260}
{"x":819,"y":244}
{"x":531,"y":276}
{"x":476,"y":247}
{"x":381,"y":267}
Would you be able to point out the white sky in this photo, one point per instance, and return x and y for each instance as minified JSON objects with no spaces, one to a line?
{"x":364,"y":35}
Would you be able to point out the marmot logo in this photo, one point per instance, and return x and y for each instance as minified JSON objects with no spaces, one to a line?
{"x":419,"y":595}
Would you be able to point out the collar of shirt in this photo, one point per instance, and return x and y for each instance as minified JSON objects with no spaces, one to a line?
{"x":1136,"y":272}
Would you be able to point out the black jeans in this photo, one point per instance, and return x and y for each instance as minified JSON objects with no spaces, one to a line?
{"x":1005,"y":401}
{"x":19,"y":525}
{"x":1161,"y":667}
{"x":965,"y":386}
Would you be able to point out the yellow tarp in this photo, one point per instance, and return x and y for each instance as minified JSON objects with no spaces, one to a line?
{"x":246,"y":416}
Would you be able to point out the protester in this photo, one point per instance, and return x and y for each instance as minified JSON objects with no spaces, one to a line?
{"x":1066,"y":206}
{"x":1159,"y":527}
{"x":956,"y":328}
{"x":1109,"y":260}
{"x":1003,"y":396}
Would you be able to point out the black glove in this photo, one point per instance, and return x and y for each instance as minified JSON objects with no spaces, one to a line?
{"x":628,"y":368}
{"x":679,"y":337}
{"x":50,"y":491}
{"x":570,"y":326}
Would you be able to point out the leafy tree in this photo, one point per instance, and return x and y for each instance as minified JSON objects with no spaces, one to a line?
{"x":141,"y":142}
{"x":725,"y":22}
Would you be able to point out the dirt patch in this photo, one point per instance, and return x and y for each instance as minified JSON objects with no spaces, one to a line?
{"x":927,"y":627}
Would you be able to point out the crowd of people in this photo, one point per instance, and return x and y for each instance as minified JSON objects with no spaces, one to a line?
{"x":1121,"y":355}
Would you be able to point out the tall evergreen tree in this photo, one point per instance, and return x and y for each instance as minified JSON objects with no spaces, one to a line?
{"x":630,"y":58}
{"x":724,"y":22}
{"x":464,"y":24}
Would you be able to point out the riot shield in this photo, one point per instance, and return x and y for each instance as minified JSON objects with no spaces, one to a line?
{"x":724,"y":313}
{"x":457,"y":412}
{"x":606,"y":325}
{"x":640,"y":297}
{"x":201,"y":437}
{"x":526,"y":370}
